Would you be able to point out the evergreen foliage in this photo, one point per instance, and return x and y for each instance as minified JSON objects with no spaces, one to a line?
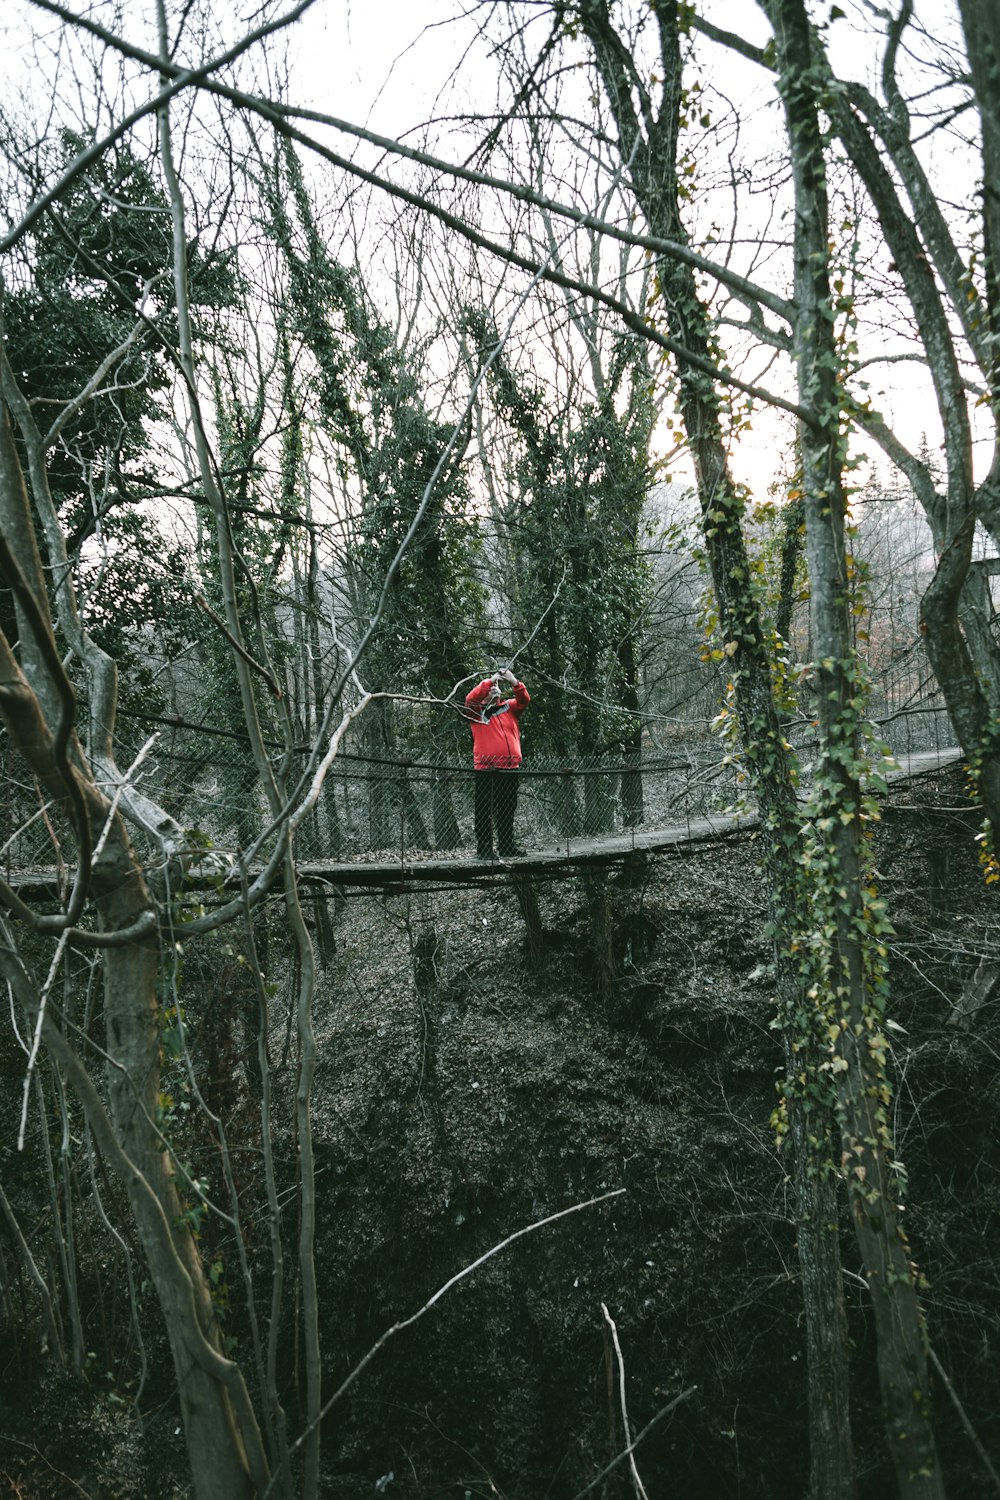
{"x":574,"y":519}
{"x":368,"y":403}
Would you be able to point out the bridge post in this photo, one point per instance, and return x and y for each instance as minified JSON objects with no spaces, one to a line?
{"x":566,"y":815}
{"x":631,"y":791}
{"x":527,"y":900}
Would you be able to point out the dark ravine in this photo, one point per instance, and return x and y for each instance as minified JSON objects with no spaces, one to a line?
{"x":462,"y":1093}
{"x":540,"y":1095}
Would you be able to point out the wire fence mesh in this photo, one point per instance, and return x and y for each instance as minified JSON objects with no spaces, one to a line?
{"x":397,"y":806}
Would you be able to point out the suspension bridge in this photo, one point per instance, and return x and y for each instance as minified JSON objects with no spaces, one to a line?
{"x":386,"y":822}
{"x":572,"y":817}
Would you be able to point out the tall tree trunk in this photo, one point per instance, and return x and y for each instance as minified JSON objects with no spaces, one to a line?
{"x":648,"y":142}
{"x":218,"y":1457}
{"x":223,"y":1441}
{"x":858,"y":1048}
{"x":633,"y":809}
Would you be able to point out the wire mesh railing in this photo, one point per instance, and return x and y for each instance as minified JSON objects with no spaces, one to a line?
{"x":418,"y":810}
{"x":409,"y":808}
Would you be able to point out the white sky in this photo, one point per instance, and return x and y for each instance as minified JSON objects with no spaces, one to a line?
{"x":382,"y":63}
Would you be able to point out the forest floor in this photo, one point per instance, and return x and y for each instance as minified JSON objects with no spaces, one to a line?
{"x":464,"y":1092}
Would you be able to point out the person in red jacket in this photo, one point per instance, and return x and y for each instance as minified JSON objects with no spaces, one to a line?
{"x":496,"y":755}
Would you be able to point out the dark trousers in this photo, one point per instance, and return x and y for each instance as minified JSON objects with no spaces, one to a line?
{"x":496,"y":804}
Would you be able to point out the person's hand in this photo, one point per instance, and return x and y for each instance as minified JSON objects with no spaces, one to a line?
{"x":508,"y":676}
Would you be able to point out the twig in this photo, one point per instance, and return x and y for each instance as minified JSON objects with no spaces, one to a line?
{"x":37,"y":1038}
{"x":542,"y":617}
{"x":34,"y":1449}
{"x":636,"y":1481}
{"x":627,"y":1452}
{"x":19,"y":832}
{"x":965,"y":1420}
{"x":120,"y":788}
{"x":251,"y":661}
{"x":442,"y":1291}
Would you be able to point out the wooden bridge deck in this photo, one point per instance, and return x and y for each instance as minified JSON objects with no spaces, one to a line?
{"x":462,"y":868}
{"x":392,"y":873}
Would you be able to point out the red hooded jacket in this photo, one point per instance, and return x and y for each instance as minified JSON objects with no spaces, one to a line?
{"x":496,"y":731}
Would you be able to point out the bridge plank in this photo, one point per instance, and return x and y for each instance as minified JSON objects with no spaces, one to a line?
{"x":462,"y":868}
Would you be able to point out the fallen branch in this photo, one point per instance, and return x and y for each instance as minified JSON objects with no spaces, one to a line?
{"x":627,"y":1452}
{"x":442,"y":1291}
{"x":639,"y":1487}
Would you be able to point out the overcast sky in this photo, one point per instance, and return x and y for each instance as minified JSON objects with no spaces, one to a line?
{"x":396,"y":64}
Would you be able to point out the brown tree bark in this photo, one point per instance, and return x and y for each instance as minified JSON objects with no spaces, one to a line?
{"x":856,"y":1066}
{"x":648,"y":134}
{"x":37,"y":711}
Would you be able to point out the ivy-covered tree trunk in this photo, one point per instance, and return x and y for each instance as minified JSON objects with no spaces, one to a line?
{"x":848,"y":962}
{"x":648,"y":135}
{"x":37,"y":705}
{"x":960,"y":646}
